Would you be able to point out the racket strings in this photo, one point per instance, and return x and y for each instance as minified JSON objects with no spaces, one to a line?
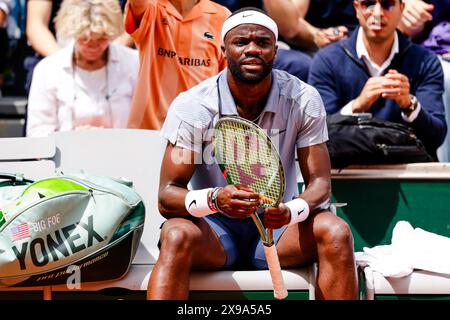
{"x":251,"y":160}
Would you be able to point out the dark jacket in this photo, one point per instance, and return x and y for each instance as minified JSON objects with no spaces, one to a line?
{"x":339,"y":76}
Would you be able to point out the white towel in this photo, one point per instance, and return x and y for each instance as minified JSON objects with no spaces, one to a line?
{"x":410,"y":249}
{"x":382,"y":259}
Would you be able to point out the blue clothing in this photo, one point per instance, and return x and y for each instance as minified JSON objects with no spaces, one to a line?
{"x":326,"y":13}
{"x":238,"y":4}
{"x":241,"y":241}
{"x":441,"y":12}
{"x":31,"y":61}
{"x":437,"y":35}
{"x":439,"y":38}
{"x":294,"y":62}
{"x":339,"y":76}
{"x":443,"y":152}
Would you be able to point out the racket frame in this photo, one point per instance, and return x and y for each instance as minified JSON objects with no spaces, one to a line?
{"x":266,"y":234}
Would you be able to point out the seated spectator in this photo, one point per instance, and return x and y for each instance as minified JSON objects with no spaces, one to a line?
{"x":5,"y":8}
{"x":91,"y":81}
{"x":317,"y":24}
{"x":179,"y":46}
{"x":429,"y":25}
{"x":378,"y":70}
{"x":42,"y":36}
{"x":438,"y":41}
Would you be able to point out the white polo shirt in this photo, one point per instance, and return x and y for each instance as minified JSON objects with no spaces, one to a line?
{"x":294,"y":117}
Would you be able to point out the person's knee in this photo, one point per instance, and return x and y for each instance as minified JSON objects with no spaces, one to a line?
{"x":336,"y":235}
{"x":177,"y":237}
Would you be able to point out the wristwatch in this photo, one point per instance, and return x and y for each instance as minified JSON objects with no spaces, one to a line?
{"x":412,"y":106}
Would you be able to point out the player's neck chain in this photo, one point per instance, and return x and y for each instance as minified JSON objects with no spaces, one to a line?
{"x":257,"y":118}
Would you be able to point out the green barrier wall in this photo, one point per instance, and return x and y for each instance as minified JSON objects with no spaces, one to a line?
{"x":374,"y":207}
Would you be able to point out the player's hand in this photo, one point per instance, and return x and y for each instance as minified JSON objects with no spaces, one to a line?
{"x":238,"y":201}
{"x":369,"y":94}
{"x":396,"y":87}
{"x":276,"y":217}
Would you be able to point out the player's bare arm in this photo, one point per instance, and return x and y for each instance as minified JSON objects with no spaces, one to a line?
{"x":177,"y":168}
{"x":316,"y":171}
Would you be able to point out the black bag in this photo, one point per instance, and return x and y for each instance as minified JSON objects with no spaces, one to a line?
{"x":362,"y":139}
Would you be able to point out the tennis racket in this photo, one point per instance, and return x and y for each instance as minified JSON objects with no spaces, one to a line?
{"x":247,"y":156}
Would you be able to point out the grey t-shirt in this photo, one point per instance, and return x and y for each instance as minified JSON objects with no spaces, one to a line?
{"x":294,"y":117}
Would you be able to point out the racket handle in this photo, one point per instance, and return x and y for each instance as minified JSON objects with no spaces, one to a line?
{"x":279,"y":290}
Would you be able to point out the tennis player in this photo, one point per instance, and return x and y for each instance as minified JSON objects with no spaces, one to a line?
{"x":208,"y":226}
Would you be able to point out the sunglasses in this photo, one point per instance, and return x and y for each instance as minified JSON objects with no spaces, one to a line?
{"x":388,"y":5}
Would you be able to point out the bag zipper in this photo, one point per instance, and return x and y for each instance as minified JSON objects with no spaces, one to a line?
{"x":92,"y":185}
{"x":42,"y":201}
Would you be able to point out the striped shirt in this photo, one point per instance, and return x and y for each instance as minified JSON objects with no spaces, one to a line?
{"x":294,"y":117}
{"x":175,"y":53}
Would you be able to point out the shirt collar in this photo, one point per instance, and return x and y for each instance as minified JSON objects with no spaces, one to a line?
{"x":227,"y":104}
{"x":363,"y":54}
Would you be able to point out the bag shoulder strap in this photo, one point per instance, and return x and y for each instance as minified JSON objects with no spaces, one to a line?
{"x":14,"y":177}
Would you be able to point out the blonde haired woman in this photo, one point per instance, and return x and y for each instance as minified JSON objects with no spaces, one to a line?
{"x":90,"y":82}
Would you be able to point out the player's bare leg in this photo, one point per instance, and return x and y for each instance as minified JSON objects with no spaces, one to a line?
{"x":183,"y":247}
{"x":326,"y":239}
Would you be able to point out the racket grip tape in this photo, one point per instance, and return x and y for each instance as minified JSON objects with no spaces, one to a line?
{"x":279,"y":289}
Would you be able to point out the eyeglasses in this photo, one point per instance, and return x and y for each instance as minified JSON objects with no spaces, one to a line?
{"x":368,"y":5}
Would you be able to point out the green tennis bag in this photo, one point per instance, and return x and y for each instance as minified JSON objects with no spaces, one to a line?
{"x":67,"y":228}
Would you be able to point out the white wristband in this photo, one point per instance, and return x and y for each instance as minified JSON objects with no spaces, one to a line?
{"x":196,"y":202}
{"x":299,"y":210}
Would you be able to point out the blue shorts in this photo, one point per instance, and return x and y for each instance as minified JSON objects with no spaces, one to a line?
{"x":241,"y":241}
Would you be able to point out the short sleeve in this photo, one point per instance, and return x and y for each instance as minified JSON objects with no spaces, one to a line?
{"x":181,"y":134}
{"x":312,"y":120}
